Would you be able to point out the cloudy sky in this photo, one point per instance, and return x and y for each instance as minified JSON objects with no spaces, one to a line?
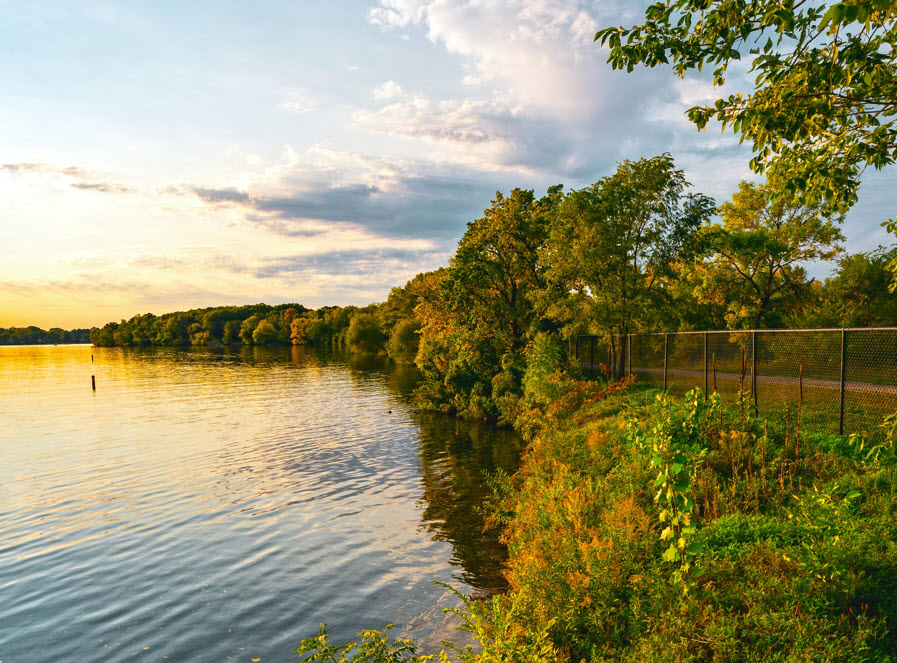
{"x":157,"y":156}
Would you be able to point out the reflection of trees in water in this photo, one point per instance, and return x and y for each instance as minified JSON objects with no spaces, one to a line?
{"x":454,"y":456}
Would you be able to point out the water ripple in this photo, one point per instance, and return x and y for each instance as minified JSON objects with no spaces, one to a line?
{"x":201,"y":505}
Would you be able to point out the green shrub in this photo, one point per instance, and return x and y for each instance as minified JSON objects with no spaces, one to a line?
{"x":404,"y":341}
{"x":364,"y":334}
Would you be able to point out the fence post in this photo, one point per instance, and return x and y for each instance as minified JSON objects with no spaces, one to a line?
{"x":754,"y":369}
{"x":666,"y":345}
{"x":592,"y":356}
{"x":705,"y":366}
{"x":843,"y":364}
{"x":629,"y":352}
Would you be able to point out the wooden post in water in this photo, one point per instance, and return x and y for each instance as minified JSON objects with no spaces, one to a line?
{"x":93,"y":382}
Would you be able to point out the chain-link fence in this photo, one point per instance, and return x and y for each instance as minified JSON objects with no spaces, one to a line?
{"x":840,"y":380}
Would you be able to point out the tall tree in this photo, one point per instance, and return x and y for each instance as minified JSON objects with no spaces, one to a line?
{"x":496,"y":270}
{"x":477,"y":317}
{"x":759,"y":251}
{"x":615,"y":243}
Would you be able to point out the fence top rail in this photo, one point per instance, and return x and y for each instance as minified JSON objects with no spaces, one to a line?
{"x":750,"y":331}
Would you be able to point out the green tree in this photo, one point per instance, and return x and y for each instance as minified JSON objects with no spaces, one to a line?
{"x":824,"y":103}
{"x":615,"y":243}
{"x":104,"y":336}
{"x":175,"y":330}
{"x":857,"y":294}
{"x":497,"y":270}
{"x":123,"y":335}
{"x":265,"y":333}
{"x":478,"y":315}
{"x":231,"y":332}
{"x":364,"y":333}
{"x":404,"y":340}
{"x":399,"y":321}
{"x":248,"y":327}
{"x":758,"y":252}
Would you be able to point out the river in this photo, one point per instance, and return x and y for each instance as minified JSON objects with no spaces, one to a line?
{"x":205,"y":506}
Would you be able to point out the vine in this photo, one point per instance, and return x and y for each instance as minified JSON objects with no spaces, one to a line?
{"x":677,"y":444}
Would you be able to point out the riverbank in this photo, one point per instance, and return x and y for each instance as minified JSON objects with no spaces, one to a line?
{"x":648,"y":528}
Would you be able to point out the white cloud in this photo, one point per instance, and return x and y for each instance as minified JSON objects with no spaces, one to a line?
{"x":540,"y":101}
{"x":297,"y":106}
{"x":468,"y":122}
{"x":540,"y":51}
{"x":388,"y":90}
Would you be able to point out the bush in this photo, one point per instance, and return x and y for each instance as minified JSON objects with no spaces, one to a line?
{"x":404,"y":341}
{"x":364,"y":334}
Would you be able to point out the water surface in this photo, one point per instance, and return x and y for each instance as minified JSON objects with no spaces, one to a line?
{"x":206,"y":505}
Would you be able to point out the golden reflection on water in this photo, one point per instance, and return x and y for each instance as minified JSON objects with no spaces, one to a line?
{"x":199,"y":502}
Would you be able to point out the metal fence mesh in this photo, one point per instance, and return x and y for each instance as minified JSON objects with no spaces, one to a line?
{"x":841,"y":380}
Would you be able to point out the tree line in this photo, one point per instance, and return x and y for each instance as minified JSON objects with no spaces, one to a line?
{"x":637,"y":251}
{"x":33,"y":335}
{"x":254,"y":324}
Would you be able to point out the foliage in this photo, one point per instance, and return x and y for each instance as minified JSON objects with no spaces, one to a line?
{"x":374,"y":647}
{"x":677,"y":445}
{"x":857,"y":295}
{"x":758,"y":253}
{"x":497,"y":625}
{"x":398,"y":319}
{"x":796,"y":544}
{"x":404,"y":340}
{"x":544,"y":359}
{"x":614,"y":242}
{"x":880,"y":451}
{"x":478,"y":315}
{"x":264,"y":333}
{"x":364,"y":334}
{"x":33,"y":335}
{"x":257,"y":324}
{"x":824,"y":102}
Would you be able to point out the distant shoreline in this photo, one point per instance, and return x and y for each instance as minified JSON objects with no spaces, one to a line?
{"x":43,"y":345}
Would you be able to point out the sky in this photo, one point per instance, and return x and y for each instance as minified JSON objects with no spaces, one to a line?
{"x":159,"y":156}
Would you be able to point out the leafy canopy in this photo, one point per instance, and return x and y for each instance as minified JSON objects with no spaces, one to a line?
{"x":614,"y":242}
{"x":758,"y":250}
{"x":824,"y":105}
